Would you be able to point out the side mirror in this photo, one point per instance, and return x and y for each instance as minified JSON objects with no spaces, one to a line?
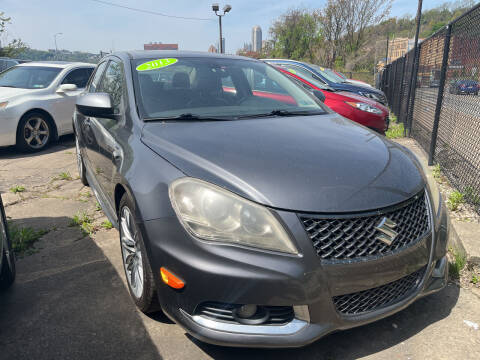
{"x":319,"y":95}
{"x":95,"y":105}
{"x":66,"y":87}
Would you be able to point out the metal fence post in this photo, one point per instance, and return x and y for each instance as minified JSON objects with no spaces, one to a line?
{"x":413,"y":78}
{"x":438,"y":108}
{"x":392,"y":93}
{"x":400,"y":94}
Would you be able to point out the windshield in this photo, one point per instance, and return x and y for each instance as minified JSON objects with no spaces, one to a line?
{"x":328,"y":74}
{"x":217,"y":88}
{"x":28,"y":77}
{"x":306,"y":75}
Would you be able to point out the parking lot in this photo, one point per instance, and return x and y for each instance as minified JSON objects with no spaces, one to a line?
{"x":70,"y":299}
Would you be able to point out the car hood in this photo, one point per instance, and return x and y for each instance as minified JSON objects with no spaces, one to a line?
{"x":7,"y":92}
{"x":356,"y":87}
{"x":322,"y":163}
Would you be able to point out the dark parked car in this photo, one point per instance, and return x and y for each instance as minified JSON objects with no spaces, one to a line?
{"x":253,"y":220}
{"x":330,"y":78}
{"x":464,"y":87}
{"x":7,"y":257}
{"x":6,"y":63}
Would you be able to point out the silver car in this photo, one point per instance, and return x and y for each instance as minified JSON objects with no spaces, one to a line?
{"x":37,"y":100}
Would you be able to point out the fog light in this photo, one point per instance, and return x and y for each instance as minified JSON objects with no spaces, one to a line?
{"x":251,"y":314}
{"x":246,"y":311}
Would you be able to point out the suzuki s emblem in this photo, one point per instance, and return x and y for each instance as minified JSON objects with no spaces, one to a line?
{"x":386,"y":226}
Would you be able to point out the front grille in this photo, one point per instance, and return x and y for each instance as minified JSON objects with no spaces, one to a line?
{"x":376,"y":298}
{"x":278,"y":315}
{"x":354,"y":238}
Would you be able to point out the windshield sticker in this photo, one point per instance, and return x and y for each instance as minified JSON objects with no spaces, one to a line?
{"x":156,"y":64}
{"x":292,"y":71}
{"x":321,"y":68}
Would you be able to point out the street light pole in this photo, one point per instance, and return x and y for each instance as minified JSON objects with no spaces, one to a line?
{"x":216,"y":9}
{"x":55,"y":39}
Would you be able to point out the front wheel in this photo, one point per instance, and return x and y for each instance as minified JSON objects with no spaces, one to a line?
{"x":141,"y":283}
{"x":34,"y":132}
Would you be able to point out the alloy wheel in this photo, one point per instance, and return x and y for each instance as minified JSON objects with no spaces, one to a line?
{"x":36,"y":132}
{"x":132,"y":255}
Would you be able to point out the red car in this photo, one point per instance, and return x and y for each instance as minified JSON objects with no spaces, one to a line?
{"x":358,"y":108}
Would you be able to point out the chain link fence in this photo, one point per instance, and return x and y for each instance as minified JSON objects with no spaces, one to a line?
{"x":443,"y":110}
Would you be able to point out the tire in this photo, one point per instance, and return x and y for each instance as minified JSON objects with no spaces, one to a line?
{"x":145,"y":298}
{"x":80,"y":164}
{"x":8,"y":271}
{"x":34,"y":132}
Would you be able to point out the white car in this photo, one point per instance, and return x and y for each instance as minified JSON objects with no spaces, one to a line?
{"x":37,"y":100}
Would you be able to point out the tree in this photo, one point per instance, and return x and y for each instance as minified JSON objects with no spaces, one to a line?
{"x":295,"y":35}
{"x":333,"y":21}
{"x":14,"y":47}
{"x":359,"y":16}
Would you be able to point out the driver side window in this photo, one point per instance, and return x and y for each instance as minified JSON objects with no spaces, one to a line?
{"x":97,"y":77}
{"x":113,"y":84}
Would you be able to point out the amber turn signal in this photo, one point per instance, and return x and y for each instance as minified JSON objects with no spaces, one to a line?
{"x":170,"y":279}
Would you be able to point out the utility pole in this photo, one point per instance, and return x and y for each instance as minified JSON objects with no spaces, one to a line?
{"x":216,"y":9}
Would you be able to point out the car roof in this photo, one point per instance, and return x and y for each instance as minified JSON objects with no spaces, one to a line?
{"x":56,"y":64}
{"x":156,"y":54}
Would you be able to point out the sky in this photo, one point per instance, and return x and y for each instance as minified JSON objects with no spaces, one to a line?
{"x":91,"y":26}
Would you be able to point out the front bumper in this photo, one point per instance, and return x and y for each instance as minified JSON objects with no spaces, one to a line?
{"x":8,"y":128}
{"x":236,"y":275}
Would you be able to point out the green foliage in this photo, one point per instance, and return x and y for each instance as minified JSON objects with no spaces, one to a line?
{"x":98,"y":207}
{"x":295,"y":35}
{"x":64,"y":55}
{"x":474,"y":279}
{"x":345,"y":35}
{"x":395,"y":130}
{"x":17,"y":189}
{"x":455,"y":199}
{"x":457,"y":265}
{"x":14,"y":47}
{"x":106,"y":225}
{"x":437,"y":172}
{"x":84,"y":221}
{"x":64,"y":176}
{"x":23,"y":238}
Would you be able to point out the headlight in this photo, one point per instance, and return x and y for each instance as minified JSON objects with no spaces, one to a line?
{"x":364,"y":107}
{"x":3,"y":105}
{"x":214,"y":214}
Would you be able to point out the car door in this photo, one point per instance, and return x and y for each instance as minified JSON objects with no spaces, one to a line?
{"x":88,"y":136}
{"x":104,"y":129}
{"x":65,"y":101}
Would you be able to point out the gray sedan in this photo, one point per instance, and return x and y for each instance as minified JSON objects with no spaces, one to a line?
{"x":37,"y":100}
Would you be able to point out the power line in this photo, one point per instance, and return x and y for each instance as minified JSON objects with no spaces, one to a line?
{"x":150,"y":12}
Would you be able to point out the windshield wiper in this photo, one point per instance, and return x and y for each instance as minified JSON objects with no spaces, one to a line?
{"x":279,"y":112}
{"x":187,"y":117}
{"x":10,"y":86}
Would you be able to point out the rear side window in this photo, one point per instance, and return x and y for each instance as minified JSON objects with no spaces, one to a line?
{"x":97,"y":77}
{"x":113,"y":84}
{"x":78,"y":77}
